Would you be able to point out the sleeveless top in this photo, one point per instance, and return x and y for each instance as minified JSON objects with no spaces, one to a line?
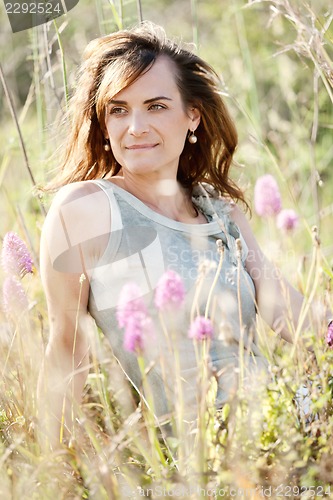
{"x":142,"y":246}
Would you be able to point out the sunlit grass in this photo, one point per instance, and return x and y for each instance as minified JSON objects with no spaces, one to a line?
{"x":276,"y":62}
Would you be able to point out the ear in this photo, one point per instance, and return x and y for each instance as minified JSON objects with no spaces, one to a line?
{"x":195,"y":117}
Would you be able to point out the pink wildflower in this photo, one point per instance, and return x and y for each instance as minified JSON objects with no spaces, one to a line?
{"x":329,"y":335}
{"x":15,"y":256}
{"x":130,"y":301}
{"x":170,"y":291}
{"x":287,"y":220}
{"x":137,"y":327}
{"x":132,"y":315}
{"x":267,"y":198}
{"x":201,"y":328}
{"x":15,"y":300}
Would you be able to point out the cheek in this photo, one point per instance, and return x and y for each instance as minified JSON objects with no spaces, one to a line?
{"x":178,"y":139}
{"x":116,"y":151}
{"x":113,"y":128}
{"x":115,"y":142}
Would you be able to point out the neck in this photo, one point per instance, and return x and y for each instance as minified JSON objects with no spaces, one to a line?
{"x":165,"y":196}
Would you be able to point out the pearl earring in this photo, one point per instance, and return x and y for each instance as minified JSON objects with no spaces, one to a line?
{"x":107,"y":147}
{"x":192,"y":139}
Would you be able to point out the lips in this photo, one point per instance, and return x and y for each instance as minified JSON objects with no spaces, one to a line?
{"x":141,"y":146}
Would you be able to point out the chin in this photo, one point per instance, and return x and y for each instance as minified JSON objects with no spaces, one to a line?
{"x":141,"y":169}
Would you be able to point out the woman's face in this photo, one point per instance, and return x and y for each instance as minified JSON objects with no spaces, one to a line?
{"x":147,"y":124}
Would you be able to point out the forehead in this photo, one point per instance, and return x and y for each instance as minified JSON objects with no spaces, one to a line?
{"x":158,"y":80}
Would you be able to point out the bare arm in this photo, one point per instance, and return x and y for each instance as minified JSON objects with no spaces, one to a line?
{"x":278,"y":302}
{"x":63,"y":267}
{"x":66,"y":362}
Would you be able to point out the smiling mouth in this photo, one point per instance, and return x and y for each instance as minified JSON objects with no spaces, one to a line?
{"x":141,"y":146}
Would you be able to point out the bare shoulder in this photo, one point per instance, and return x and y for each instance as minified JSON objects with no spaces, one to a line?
{"x":76,"y":192}
{"x":79,"y":220}
{"x":80,"y":203}
{"x":238,"y":216}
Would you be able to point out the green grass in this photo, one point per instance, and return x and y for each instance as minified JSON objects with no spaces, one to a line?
{"x":275,"y":58}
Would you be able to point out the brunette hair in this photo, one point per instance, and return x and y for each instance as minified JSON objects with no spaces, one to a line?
{"x":112,"y":63}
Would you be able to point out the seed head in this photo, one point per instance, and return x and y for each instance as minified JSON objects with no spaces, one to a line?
{"x":267,"y":198}
{"x":15,"y":256}
{"x":201,"y":328}
{"x":287,"y":220}
{"x":170,"y":291}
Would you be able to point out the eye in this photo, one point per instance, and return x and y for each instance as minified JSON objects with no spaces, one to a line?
{"x":117,"y":110}
{"x":156,"y":107}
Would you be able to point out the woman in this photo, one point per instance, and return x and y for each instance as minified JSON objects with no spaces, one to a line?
{"x":145,"y":189}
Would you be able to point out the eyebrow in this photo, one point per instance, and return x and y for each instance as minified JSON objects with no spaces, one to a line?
{"x":147,"y":101}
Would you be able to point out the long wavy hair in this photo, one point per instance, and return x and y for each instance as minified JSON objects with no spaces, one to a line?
{"x":112,"y":63}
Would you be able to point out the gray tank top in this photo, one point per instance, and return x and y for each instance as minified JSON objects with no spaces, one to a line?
{"x":142,"y":246}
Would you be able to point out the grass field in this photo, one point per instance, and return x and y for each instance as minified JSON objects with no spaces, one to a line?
{"x":275,"y":62}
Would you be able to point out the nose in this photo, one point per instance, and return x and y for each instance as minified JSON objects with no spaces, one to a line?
{"x":138,"y":124}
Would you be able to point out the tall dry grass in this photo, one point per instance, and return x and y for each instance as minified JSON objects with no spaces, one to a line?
{"x":278,"y":82}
